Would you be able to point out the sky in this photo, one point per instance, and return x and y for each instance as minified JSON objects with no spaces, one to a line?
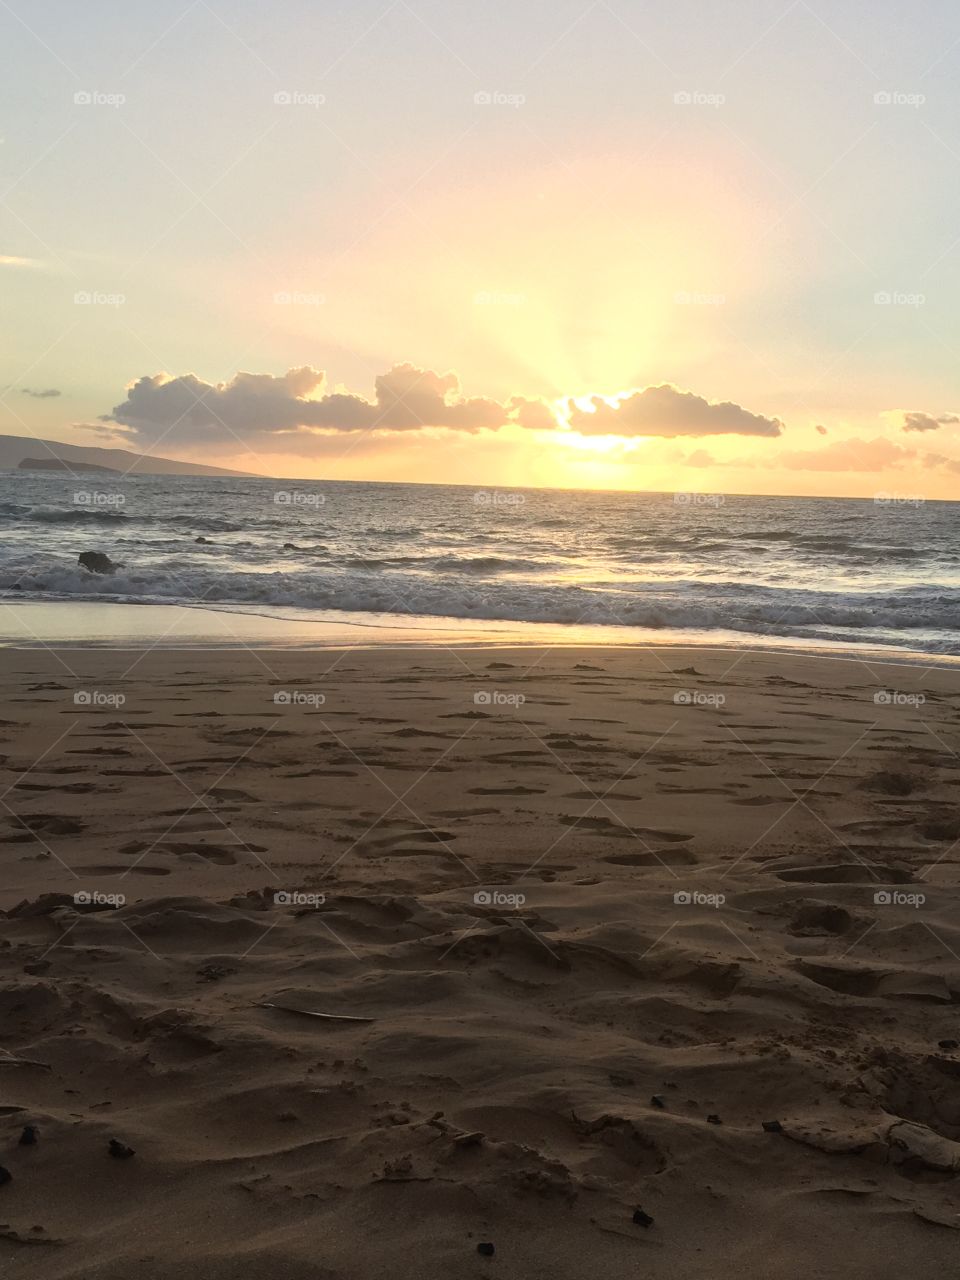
{"x":696,"y":246}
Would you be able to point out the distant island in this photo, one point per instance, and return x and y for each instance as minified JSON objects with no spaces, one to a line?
{"x":58,"y":464}
{"x":20,"y":453}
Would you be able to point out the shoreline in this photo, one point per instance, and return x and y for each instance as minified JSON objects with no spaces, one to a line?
{"x":75,"y":626}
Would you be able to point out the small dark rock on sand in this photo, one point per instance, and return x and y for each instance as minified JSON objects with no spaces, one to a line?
{"x":485,"y":1249}
{"x":29,"y":1136}
{"x":772,"y":1126}
{"x":5,"y":1176}
{"x":120,"y":1151}
{"x":642,"y":1219}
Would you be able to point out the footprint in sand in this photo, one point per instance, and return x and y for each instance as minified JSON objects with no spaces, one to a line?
{"x":138,"y":870}
{"x":660,"y":858}
{"x":51,"y":824}
{"x":506,"y":791}
{"x":74,"y":788}
{"x":190,"y":852}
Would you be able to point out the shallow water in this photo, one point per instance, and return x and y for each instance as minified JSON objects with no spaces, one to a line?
{"x":862,"y":572}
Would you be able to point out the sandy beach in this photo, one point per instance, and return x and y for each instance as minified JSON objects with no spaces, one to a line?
{"x":625,"y":934}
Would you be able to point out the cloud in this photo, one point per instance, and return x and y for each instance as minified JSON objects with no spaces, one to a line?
{"x":848,"y":455}
{"x":820,"y":430}
{"x":667,"y":411}
{"x":939,"y":461}
{"x":533,"y":414}
{"x":916,"y":420}
{"x":289,"y":409}
{"x":40,"y":395}
{"x":700,"y":458}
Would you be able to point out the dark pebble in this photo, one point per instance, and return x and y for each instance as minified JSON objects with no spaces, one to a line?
{"x":772,"y":1126}
{"x":485,"y":1249}
{"x":29,"y":1136}
{"x":5,"y":1176}
{"x":642,"y":1219}
{"x":714,"y":1119}
{"x":119,"y":1150}
{"x":949,"y":1044}
{"x":657,"y":1101}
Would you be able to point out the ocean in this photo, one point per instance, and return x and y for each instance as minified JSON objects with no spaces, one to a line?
{"x":873,"y":572}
